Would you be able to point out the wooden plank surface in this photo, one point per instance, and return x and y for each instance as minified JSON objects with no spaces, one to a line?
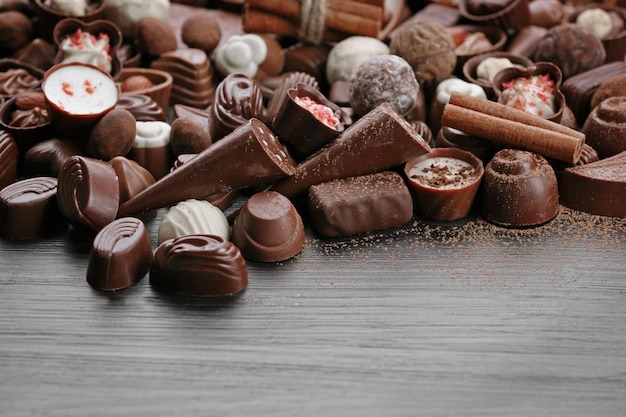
{"x":462,"y":319}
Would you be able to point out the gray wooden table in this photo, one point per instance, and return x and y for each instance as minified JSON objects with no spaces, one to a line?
{"x":461,"y":319}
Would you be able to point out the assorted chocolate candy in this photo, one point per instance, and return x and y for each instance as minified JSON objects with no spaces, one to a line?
{"x":347,"y":123}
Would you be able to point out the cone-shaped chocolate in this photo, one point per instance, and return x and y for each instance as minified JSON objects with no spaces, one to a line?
{"x":378,"y":141}
{"x":248,"y":156}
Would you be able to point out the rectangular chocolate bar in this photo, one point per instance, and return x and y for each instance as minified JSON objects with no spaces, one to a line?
{"x":360,"y":204}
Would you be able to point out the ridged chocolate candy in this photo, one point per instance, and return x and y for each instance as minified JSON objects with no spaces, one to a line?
{"x":143,"y":107}
{"x":605,"y":127}
{"x":120,"y":255}
{"x":193,"y":217}
{"x":9,"y":155}
{"x":199,"y":266}
{"x":46,"y":158}
{"x":28,"y":209}
{"x":88,"y":193}
{"x":519,"y":189}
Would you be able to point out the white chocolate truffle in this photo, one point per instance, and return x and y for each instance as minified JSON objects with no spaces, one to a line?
{"x":73,"y":8}
{"x":489,"y":67}
{"x":596,"y":21}
{"x":152,"y":134}
{"x":241,"y":54}
{"x":127,"y":13}
{"x":450,"y":85}
{"x":345,"y":57}
{"x":191,"y":217}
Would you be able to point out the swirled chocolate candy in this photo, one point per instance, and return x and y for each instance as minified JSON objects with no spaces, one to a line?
{"x":193,"y":217}
{"x":143,"y":107}
{"x":88,"y":193}
{"x":238,"y":98}
{"x":605,"y":127}
{"x":120,"y":255}
{"x":268,"y":228}
{"x":15,"y":80}
{"x":597,"y":188}
{"x":9,"y":155}
{"x":28,"y":209}
{"x":200,"y":266}
{"x":360,"y":204}
{"x":519,"y":189}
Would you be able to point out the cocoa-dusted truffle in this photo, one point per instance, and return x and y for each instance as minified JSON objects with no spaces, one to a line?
{"x":154,"y":37}
{"x":546,"y":13}
{"x":113,"y":135}
{"x":16,"y":31}
{"x":199,"y":266}
{"x":572,"y":48}
{"x":605,"y":127}
{"x":187,"y":136}
{"x":201,"y":31}
{"x":385,"y":78}
{"x":428,"y":47}
{"x":519,"y":189}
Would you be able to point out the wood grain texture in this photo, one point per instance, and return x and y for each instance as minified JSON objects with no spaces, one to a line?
{"x":461,"y":319}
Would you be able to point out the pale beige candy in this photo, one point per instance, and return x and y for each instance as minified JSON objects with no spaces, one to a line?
{"x":192,"y":217}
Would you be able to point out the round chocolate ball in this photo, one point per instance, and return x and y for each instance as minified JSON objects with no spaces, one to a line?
{"x":428,"y":47}
{"x":187,"y":137}
{"x":572,"y":48}
{"x":16,"y":31}
{"x":113,"y":135}
{"x":383,"y":79}
{"x":346,"y":56}
{"x":201,"y":31}
{"x":613,"y":87}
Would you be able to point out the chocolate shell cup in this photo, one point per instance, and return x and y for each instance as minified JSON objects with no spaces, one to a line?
{"x":514,"y":16}
{"x":161,"y":84}
{"x":29,"y":210}
{"x":448,"y":137}
{"x":614,"y":43}
{"x":77,"y":97}
{"x":34,"y":74}
{"x":496,"y":36}
{"x":539,"y":68}
{"x":25,"y":136}
{"x":605,"y":127}
{"x":519,"y":189}
{"x":445,"y":182}
{"x":299,"y":128}
{"x":69,"y":26}
{"x":49,"y":17}
{"x":268,"y":228}
{"x":199,"y":266}
{"x":120,"y":255}
{"x":470,"y":66}
{"x":88,"y":193}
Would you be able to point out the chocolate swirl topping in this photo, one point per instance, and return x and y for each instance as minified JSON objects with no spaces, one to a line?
{"x":16,"y":80}
{"x":199,"y":265}
{"x":238,"y":98}
{"x":143,"y":107}
{"x":29,"y":118}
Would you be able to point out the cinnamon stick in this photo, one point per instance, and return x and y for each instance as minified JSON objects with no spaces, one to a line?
{"x":512,"y":127}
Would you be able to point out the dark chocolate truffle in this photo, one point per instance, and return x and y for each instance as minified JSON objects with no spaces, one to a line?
{"x":519,"y":189}
{"x":113,"y":135}
{"x":572,"y":48}
{"x":120,"y":255}
{"x":187,"y":136}
{"x":611,"y":87}
{"x":202,"y":31}
{"x":199,"y":266}
{"x":268,"y":228}
{"x":383,"y":79}
{"x":428,"y":47}
{"x":154,"y":37}
{"x":16,"y":31}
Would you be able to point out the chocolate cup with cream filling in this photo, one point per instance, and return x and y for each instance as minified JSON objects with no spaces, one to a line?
{"x":471,"y":65}
{"x":299,"y":128}
{"x":27,"y":135}
{"x":615,"y":42}
{"x":519,"y":189}
{"x":513,"y":15}
{"x":251,"y":155}
{"x":49,"y":17}
{"x":161,"y":88}
{"x":69,"y":26}
{"x":442,"y":193}
{"x":540,"y":68}
{"x":92,"y":90}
